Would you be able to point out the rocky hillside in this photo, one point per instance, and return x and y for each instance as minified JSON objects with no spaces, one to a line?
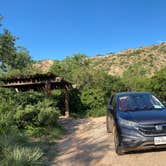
{"x":43,"y":65}
{"x":152,"y":58}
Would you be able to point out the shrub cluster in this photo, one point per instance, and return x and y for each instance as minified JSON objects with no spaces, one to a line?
{"x":31,"y":108}
{"x":31,"y":112}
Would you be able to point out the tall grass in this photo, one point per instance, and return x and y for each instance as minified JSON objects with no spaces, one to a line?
{"x":14,"y":151}
{"x":21,"y":156}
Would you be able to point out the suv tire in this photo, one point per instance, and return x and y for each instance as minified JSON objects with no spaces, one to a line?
{"x":118,"y":149}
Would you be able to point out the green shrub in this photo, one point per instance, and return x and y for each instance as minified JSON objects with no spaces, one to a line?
{"x":28,"y":98}
{"x":40,"y":114}
{"x":48,"y":116}
{"x":6,"y":117}
{"x":25,"y":116}
{"x":96,"y":112}
{"x":75,"y":103}
{"x":93,"y":101}
{"x":49,"y":132}
{"x":33,"y":131}
{"x":12,"y":138}
{"x":135,"y":78}
{"x":48,"y":113}
{"x":158,"y":84}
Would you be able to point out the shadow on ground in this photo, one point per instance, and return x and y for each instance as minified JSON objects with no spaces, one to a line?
{"x":83,"y":143}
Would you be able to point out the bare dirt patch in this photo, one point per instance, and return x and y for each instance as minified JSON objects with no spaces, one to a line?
{"x":87,"y":144}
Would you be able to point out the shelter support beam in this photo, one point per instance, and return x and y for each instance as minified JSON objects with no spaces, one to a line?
{"x":67,"y":110}
{"x":48,"y":88}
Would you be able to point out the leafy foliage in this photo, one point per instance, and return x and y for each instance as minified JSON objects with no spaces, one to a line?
{"x":93,"y":101}
{"x":12,"y":57}
{"x":158,"y":83}
{"x":135,"y":78}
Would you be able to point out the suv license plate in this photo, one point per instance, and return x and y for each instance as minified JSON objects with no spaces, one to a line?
{"x":159,"y":140}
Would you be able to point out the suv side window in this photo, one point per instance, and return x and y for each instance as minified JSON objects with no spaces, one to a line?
{"x":114,"y":102}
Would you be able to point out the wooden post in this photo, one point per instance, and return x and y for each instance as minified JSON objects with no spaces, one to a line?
{"x":66,"y":103}
{"x":48,"y":88}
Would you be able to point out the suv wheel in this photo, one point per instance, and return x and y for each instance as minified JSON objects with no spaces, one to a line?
{"x":117,"y":142}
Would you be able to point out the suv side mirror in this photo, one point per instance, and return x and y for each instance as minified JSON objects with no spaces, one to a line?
{"x":164,"y":102}
{"x":110,"y":108}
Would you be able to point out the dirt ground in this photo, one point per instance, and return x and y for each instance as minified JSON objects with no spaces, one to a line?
{"x":88,"y":144}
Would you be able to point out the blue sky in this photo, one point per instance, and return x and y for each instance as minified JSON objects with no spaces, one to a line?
{"x":54,"y":29}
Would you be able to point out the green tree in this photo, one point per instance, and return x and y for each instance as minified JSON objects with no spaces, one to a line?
{"x":7,"y":50}
{"x":158,"y":83}
{"x":135,"y":78}
{"x":22,"y":59}
{"x":93,"y":101}
{"x":11,"y":56}
{"x":72,"y":68}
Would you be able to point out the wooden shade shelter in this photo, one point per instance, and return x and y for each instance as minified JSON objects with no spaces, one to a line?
{"x":39,"y":82}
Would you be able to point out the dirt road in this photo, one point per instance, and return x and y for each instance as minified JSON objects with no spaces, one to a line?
{"x":88,"y":144}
